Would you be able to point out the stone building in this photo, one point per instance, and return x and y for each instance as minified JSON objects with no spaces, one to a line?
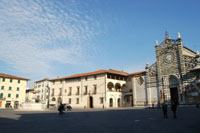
{"x":175,"y":75}
{"x":98,"y":89}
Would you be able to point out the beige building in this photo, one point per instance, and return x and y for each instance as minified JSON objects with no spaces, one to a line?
{"x":99,"y":89}
{"x":12,"y":91}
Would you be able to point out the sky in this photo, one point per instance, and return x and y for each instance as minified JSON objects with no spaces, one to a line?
{"x":49,"y":39}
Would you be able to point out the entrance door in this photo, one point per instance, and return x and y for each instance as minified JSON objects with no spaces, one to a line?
{"x":91,"y":102}
{"x":118,"y":101}
{"x":111,"y":102}
{"x":174,"y":94}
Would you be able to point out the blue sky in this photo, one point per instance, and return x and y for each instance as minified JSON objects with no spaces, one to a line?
{"x":45,"y":39}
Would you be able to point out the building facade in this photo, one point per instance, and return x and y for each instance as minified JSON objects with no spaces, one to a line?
{"x":12,"y":91}
{"x":175,"y":75}
{"x":41,"y":88}
{"x":99,"y":89}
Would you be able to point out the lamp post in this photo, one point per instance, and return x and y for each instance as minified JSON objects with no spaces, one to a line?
{"x":48,"y":95}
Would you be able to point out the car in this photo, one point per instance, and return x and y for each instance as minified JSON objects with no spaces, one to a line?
{"x":67,"y":107}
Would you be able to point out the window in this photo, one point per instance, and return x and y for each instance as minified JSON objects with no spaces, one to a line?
{"x":101,"y":100}
{"x":17,"y":95}
{"x":3,"y":79}
{"x":60,"y":94}
{"x":86,"y":89}
{"x":52,"y":94}
{"x":61,"y":81}
{"x":70,"y":101}
{"x":2,"y":87}
{"x":9,"y":95}
{"x":78,"y":89}
{"x":95,"y":77}
{"x":10,"y":88}
{"x":77,"y":101}
{"x":17,"y":88}
{"x":11,"y":80}
{"x":53,"y":82}
{"x":95,"y":89}
{"x":70,"y":91}
{"x":18,"y":81}
{"x":65,"y":90}
{"x":1,"y":95}
{"x":86,"y":78}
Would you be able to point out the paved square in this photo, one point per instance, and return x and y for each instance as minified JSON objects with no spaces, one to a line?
{"x":101,"y":121}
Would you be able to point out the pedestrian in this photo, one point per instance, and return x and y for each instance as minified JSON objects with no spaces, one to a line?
{"x":164,"y":108}
{"x":174,"y":108}
{"x":61,"y":109}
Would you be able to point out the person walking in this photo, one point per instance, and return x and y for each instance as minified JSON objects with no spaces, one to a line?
{"x":174,"y":108}
{"x":164,"y":108}
{"x":61,"y":109}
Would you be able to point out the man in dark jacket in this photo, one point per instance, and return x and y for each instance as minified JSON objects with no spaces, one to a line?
{"x":174,"y":108}
{"x":164,"y":108}
{"x":61,"y":109}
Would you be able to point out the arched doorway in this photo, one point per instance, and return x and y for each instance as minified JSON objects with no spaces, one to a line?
{"x":173,"y":86}
{"x":118,"y":102}
{"x":111,"y":102}
{"x":90,"y":102}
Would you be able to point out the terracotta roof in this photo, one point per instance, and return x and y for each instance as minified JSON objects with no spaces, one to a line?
{"x":137,"y":73}
{"x":11,"y":76}
{"x":41,"y":80}
{"x":112,"y":71}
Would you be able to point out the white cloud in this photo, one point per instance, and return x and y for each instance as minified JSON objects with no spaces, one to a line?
{"x":33,"y":34}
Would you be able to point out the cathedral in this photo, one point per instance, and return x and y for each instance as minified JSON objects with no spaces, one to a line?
{"x":175,"y":76}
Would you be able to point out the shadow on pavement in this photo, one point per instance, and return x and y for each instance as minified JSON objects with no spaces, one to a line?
{"x":108,"y":121}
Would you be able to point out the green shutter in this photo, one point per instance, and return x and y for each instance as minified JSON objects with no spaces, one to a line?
{"x":18,"y":81}
{"x":11,"y":80}
{"x":17,"y":88}
{"x":1,"y":95}
{"x":3,"y":79}
{"x":9,"y":95}
{"x":17,"y":95}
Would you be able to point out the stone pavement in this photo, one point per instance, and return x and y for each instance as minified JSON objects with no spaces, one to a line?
{"x":136,"y":120}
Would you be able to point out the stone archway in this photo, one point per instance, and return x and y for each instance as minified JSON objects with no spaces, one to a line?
{"x":118,"y":86}
{"x":174,"y":86}
{"x":110,"y":85}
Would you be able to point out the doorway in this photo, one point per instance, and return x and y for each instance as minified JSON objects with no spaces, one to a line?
{"x":91,"y":102}
{"x":118,"y":102}
{"x":111,"y":102}
{"x":174,"y":94}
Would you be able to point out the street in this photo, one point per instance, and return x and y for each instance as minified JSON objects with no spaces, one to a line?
{"x":101,"y":121}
